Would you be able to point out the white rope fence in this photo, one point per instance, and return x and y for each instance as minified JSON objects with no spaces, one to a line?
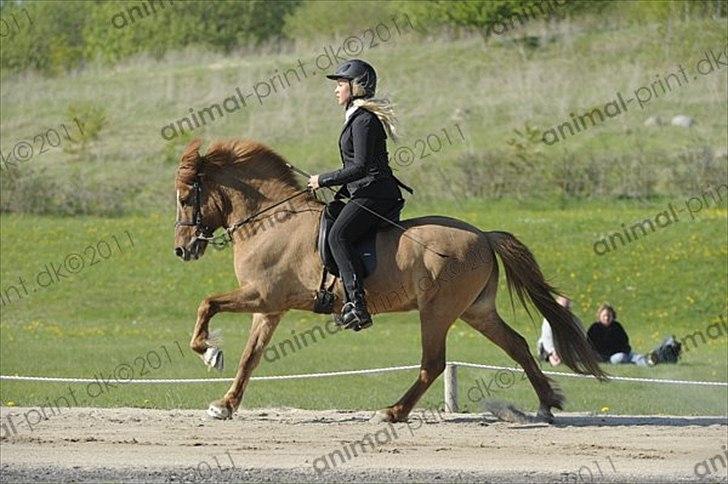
{"x":576,"y":375}
{"x":346,"y":373}
{"x":451,"y":380}
{"x":450,"y":376}
{"x":215,"y":380}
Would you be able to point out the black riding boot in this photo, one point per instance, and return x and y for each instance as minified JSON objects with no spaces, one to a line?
{"x":354,"y":314}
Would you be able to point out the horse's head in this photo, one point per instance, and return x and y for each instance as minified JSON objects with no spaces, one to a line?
{"x":227,"y":187}
{"x":197,"y":213}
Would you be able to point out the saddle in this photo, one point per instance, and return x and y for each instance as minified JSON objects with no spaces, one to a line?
{"x":365,"y":252}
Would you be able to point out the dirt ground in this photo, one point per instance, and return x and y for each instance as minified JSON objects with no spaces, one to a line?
{"x":289,"y":445}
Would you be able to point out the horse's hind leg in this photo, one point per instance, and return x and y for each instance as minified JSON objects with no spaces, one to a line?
{"x":434,"y":330}
{"x":482,"y":316}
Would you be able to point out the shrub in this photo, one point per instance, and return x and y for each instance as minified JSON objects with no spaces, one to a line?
{"x":315,"y":19}
{"x":90,"y":120}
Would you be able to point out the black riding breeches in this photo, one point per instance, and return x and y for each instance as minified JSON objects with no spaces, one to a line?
{"x":354,"y":222}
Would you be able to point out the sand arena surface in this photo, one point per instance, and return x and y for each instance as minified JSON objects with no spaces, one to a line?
{"x":291,"y":445}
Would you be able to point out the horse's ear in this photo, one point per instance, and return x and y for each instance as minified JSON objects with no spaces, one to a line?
{"x":190,"y":162}
{"x":191,"y":153}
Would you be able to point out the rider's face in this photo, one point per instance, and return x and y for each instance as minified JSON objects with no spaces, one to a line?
{"x":343,"y":93}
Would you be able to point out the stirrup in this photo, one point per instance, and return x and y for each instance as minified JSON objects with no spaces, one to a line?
{"x":339,"y":318}
{"x":350,"y":318}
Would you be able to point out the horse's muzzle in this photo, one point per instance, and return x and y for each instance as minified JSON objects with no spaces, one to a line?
{"x":195,"y":250}
{"x":181,"y":253}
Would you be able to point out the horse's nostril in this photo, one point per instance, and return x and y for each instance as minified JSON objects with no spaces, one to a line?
{"x":179,"y":252}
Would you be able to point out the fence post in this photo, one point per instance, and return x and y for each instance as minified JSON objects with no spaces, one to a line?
{"x":451,"y":388}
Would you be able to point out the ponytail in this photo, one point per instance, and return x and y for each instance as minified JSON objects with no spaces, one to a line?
{"x":382,"y":108}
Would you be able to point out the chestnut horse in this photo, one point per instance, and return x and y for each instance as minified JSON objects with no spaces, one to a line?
{"x":443,"y":267}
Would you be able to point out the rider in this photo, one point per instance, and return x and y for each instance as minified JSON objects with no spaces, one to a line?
{"x":365,"y":178}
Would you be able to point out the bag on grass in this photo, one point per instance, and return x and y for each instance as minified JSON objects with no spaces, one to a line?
{"x":668,"y":351}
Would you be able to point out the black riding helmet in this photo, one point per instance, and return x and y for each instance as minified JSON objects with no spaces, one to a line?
{"x":360,"y":72}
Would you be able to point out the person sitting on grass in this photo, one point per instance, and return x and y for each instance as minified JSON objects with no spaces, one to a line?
{"x":546,"y":349}
{"x":610,"y":340}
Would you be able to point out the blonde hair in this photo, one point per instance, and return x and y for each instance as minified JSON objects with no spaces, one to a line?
{"x":382,"y":108}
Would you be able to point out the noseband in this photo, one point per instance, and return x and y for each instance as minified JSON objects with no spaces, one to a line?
{"x":206,"y":233}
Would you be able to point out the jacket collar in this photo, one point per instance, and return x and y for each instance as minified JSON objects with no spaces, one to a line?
{"x":354,"y":114}
{"x":349,"y":112}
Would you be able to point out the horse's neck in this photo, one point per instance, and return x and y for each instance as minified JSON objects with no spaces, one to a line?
{"x":295,"y":221}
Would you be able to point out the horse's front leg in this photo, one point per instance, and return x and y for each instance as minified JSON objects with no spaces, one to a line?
{"x":260,"y":335}
{"x":246,"y":299}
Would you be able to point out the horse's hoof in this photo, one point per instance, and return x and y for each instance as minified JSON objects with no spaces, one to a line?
{"x":213,"y":358}
{"x":383,"y":416}
{"x":544,"y":414}
{"x":219,"y":411}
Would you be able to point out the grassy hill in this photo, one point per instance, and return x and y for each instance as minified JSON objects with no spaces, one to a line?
{"x":503,"y":96}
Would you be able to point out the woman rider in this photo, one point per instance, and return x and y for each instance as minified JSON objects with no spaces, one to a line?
{"x":366,"y":179}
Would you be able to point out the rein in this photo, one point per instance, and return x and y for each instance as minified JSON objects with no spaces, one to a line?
{"x":246,"y":220}
{"x":206,"y":233}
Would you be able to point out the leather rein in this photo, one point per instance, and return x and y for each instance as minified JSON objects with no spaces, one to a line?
{"x":206,"y":233}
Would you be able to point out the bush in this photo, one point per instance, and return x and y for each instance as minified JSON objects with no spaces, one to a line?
{"x":639,"y":175}
{"x":28,"y":190}
{"x":51,"y":40}
{"x":90,"y":120}
{"x":23,"y":190}
{"x":315,"y":19}
{"x":59,"y":36}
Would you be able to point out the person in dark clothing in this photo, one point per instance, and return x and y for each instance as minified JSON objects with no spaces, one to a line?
{"x":610,"y":340}
{"x":365,"y":178}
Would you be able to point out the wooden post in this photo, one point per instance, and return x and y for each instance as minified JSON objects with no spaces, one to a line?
{"x":451,"y":388}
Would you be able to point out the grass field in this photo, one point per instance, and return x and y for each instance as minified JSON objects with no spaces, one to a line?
{"x":137,"y":297}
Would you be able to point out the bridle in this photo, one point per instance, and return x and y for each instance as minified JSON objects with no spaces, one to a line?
{"x":205,"y":232}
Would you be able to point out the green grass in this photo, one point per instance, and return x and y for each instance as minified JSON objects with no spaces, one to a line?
{"x":672,"y":281}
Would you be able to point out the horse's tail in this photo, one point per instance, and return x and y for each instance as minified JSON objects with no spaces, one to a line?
{"x":525,"y":279}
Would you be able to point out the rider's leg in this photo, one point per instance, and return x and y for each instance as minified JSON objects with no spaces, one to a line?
{"x":352,"y":223}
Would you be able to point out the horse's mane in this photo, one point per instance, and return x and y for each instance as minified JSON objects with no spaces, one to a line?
{"x":262,"y":161}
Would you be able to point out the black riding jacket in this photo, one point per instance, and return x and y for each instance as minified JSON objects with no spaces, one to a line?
{"x":365,"y":171}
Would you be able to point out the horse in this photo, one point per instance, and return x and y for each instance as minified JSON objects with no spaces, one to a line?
{"x":444,"y":268}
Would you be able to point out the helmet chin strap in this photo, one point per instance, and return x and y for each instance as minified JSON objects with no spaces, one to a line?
{"x":351,"y":95}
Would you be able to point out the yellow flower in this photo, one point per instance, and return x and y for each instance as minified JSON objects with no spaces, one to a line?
{"x":604,"y":409}
{"x":10,"y":403}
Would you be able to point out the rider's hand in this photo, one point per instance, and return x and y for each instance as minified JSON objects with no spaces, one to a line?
{"x":313,"y":182}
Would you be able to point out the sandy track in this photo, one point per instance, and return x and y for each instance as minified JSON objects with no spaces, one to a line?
{"x":89,"y":444}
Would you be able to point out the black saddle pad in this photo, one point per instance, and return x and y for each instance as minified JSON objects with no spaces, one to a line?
{"x":365,"y":248}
